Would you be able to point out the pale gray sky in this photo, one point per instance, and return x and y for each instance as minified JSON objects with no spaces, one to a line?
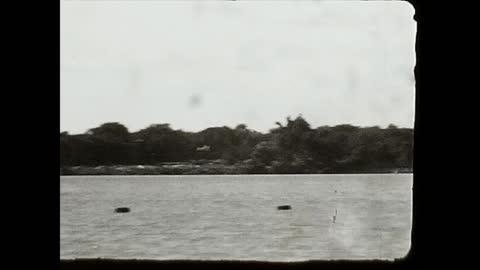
{"x":212,"y":63}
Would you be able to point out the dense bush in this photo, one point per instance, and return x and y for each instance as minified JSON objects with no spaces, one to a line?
{"x":291,"y":148}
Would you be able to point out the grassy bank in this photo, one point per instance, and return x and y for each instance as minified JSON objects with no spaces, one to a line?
{"x":204,"y":168}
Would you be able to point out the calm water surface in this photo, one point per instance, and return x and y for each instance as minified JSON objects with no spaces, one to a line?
{"x":235,"y":217}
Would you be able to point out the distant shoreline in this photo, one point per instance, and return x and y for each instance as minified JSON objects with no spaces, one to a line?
{"x":213,"y":168}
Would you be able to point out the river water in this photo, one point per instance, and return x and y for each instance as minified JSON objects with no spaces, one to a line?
{"x":236,"y":217}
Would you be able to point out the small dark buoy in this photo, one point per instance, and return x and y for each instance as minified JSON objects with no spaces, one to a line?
{"x":284,"y":207}
{"x":122,"y":210}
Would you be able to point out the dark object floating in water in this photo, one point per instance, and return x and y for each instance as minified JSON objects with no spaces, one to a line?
{"x":122,"y":210}
{"x":284,"y":207}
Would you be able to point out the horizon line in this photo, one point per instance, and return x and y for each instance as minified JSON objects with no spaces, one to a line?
{"x":221,"y":126}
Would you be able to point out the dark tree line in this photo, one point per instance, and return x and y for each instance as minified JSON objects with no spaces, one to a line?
{"x":293,"y":147}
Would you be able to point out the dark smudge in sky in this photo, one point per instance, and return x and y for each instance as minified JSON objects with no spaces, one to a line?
{"x":195,"y":101}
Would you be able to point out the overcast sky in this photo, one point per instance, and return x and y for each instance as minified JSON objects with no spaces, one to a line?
{"x":213,"y":63}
